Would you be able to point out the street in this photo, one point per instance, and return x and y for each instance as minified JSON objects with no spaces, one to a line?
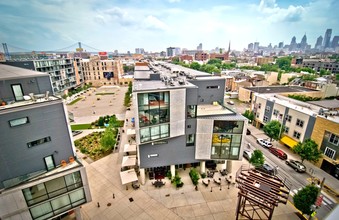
{"x":298,"y":180}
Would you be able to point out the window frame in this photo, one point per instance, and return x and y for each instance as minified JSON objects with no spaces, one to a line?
{"x":288,"y":118}
{"x":299,"y":123}
{"x":296,"y":134}
{"x":39,"y":141}
{"x":335,"y":140}
{"x":265,"y":119}
{"x":331,"y":151}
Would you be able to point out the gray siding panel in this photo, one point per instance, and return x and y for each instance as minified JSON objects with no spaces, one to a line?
{"x":210,"y":95}
{"x":269,"y":113}
{"x":175,"y":152}
{"x":16,"y":158}
{"x":309,"y":128}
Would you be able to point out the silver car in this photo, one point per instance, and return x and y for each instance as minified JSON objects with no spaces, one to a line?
{"x":296,"y":165}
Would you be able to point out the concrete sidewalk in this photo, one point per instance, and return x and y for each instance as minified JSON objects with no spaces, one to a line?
{"x":148,"y":202}
{"x":330,"y":180}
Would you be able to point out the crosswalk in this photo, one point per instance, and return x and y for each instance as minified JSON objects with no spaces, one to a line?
{"x":326,"y":201}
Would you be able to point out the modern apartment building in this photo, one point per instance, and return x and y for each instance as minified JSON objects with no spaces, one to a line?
{"x":297,"y":117}
{"x":102,"y":72}
{"x":41,"y":177}
{"x":182,"y":122}
{"x":66,"y":73}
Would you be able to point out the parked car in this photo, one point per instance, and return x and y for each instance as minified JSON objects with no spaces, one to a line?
{"x":279,"y":153}
{"x":247,"y":154}
{"x":248,"y":132}
{"x":264,"y":143}
{"x":266,"y":169}
{"x":296,"y":165}
{"x":230,"y":102}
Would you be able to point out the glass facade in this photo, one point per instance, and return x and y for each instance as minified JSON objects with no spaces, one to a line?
{"x":226,"y":139}
{"x":52,"y":188}
{"x":153,"y":115}
{"x":191,"y":111}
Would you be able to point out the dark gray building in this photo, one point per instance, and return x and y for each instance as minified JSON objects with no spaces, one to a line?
{"x":40,"y":175}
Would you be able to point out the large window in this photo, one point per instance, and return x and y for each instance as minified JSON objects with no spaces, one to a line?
{"x":153,"y":108}
{"x":288,"y":118}
{"x":18,"y":121}
{"x":226,"y":139}
{"x":17,"y":91}
{"x":154,"y":133}
{"x":296,"y":134}
{"x":52,"y":188}
{"x":56,"y":206}
{"x":38,"y":142}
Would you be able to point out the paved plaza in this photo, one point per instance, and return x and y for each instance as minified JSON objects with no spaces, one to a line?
{"x":118,"y":202}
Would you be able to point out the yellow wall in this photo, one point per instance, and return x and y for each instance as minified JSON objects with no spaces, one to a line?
{"x":322,"y":124}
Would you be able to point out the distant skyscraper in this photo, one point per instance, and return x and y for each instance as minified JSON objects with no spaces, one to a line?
{"x":250,"y":47}
{"x":281,"y":44}
{"x":256,"y":46}
{"x":199,"y":47}
{"x":303,"y":43}
{"x":293,"y":45}
{"x":318,"y":43}
{"x":139,"y":50}
{"x":327,"y":38}
{"x":335,"y":42}
{"x":170,"y":51}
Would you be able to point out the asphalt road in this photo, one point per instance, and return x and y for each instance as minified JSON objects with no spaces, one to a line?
{"x":297,"y":180}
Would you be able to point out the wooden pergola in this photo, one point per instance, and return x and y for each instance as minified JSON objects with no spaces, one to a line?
{"x":259,"y":193}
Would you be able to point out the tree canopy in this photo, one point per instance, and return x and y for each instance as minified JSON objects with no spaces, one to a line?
{"x":273,"y":129}
{"x":284,"y":63}
{"x":305,"y":198}
{"x":249,"y":115}
{"x":308,"y":150}
{"x":257,"y":158}
{"x":195,"y":66}
{"x":214,"y":61}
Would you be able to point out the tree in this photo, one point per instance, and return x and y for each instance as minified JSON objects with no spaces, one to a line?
{"x":284,"y":63}
{"x":195,"y":66}
{"x":214,"y":61}
{"x":249,"y":115}
{"x":107,"y":140}
{"x":273,"y":129}
{"x":305,"y":198}
{"x":257,"y":158}
{"x":308,"y":150}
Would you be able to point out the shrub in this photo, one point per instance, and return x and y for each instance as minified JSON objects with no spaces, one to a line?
{"x":194,"y":176}
{"x":101,"y":121}
{"x":169,"y":174}
{"x":177,"y":181}
{"x":203,"y":175}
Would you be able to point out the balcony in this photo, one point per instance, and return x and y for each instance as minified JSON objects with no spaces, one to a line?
{"x":37,"y":99}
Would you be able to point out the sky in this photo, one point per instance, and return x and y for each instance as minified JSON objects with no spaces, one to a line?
{"x":123,"y":25}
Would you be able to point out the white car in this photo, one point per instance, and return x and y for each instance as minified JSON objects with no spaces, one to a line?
{"x":230,"y":102}
{"x":247,"y":154}
{"x":264,"y":143}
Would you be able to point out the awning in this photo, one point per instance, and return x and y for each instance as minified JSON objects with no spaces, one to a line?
{"x":130,"y":131}
{"x":128,"y":161}
{"x":130,"y":148}
{"x":128,"y":176}
{"x":289,"y":141}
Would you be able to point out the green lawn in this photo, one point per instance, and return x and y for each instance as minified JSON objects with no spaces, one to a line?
{"x":75,"y":101}
{"x":81,"y":127}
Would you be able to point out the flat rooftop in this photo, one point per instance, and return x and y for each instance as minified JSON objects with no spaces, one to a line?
{"x":8,"y":72}
{"x":213,"y":109}
{"x":147,"y":85}
{"x":329,"y":104}
{"x":279,"y":89}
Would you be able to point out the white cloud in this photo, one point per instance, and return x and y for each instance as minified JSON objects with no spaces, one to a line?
{"x":173,"y":1}
{"x":153,"y":23}
{"x":275,"y":13}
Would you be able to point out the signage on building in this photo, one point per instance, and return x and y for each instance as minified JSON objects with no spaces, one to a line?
{"x":102,"y":53}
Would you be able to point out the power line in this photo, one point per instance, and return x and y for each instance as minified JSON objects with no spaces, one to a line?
{"x":91,"y":47}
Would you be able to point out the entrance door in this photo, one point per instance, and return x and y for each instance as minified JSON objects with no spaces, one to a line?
{"x":49,"y":162}
{"x":18,"y":93}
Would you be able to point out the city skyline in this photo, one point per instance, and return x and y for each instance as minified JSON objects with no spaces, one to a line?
{"x":156,"y":25}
